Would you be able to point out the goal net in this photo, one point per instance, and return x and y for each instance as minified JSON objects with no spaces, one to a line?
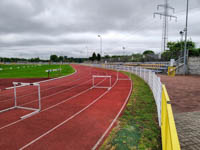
{"x":25,"y":96}
{"x":101,"y":81}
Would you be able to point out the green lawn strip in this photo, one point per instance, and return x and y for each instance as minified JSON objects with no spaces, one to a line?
{"x":33,"y":71}
{"x":137,"y":128}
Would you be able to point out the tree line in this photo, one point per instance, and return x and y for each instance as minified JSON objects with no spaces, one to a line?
{"x":175,"y":51}
{"x":95,"y":57}
{"x":6,"y":59}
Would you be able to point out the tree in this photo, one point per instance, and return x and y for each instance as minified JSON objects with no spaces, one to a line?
{"x":61,"y":58}
{"x":94,"y":57}
{"x":54,"y":58}
{"x":98,"y":57}
{"x":107,"y":56}
{"x":176,"y":50}
{"x":65,"y":58}
{"x":166,"y":56}
{"x":137,"y":57}
{"x":148,"y":52}
{"x":194,"y":52}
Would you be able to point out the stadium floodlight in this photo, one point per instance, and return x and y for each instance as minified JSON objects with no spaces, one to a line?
{"x":101,"y":45}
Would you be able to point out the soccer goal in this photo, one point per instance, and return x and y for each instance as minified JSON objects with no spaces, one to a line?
{"x":28,"y":98}
{"x":101,"y":81}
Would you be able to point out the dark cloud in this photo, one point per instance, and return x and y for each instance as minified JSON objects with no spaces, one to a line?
{"x":38,"y":28}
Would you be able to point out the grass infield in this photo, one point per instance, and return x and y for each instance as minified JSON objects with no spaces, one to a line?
{"x":33,"y":71}
{"x":137,"y":128}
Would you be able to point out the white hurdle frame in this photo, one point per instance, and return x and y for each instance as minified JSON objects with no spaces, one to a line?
{"x":35,"y":110}
{"x":101,"y":76}
{"x":119,"y":68}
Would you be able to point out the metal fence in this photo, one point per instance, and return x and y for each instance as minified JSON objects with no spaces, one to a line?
{"x":166,"y":121}
{"x":149,"y":77}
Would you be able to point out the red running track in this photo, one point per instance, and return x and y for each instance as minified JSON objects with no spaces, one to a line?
{"x":74,"y":116}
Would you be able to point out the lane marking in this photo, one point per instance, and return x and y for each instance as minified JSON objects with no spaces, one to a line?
{"x":42,"y":90}
{"x":114,"y":120}
{"x":4,"y":94}
{"x":80,"y":93}
{"x":68,"y":119}
{"x":57,"y":92}
{"x":47,"y":89}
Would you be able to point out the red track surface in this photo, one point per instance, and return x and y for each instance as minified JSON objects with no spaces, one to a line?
{"x":74,"y":116}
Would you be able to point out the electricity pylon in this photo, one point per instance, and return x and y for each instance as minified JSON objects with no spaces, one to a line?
{"x":167,"y":15}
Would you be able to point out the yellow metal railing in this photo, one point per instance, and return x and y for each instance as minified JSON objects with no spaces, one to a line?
{"x":171,"y":71}
{"x":170,"y":139}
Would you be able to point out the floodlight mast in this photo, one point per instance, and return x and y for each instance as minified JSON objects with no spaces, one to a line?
{"x":100,"y":44}
{"x":166,"y":15}
{"x":123,"y":50}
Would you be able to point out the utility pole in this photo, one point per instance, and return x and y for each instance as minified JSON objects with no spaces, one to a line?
{"x":166,"y":7}
{"x":182,"y":52}
{"x":186,"y":52}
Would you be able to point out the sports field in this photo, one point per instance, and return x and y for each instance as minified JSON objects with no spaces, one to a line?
{"x":33,"y":71}
{"x":77,"y":112}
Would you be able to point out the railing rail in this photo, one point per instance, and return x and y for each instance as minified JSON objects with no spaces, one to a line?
{"x":168,"y":129}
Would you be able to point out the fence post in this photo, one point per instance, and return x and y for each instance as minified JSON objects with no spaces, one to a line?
{"x":149,"y":78}
{"x":136,"y":71}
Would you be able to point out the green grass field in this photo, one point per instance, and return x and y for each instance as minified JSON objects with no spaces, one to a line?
{"x":138,"y":127}
{"x":33,"y":71}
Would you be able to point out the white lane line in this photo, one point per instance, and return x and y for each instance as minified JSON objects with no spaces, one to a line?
{"x":57,"y":92}
{"x":80,"y":93}
{"x":68,"y":119}
{"x":114,"y":120}
{"x":42,"y":90}
{"x":46,"y":89}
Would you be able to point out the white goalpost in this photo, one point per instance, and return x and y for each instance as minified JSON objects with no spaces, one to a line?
{"x":105,"y":81}
{"x":17,"y":106}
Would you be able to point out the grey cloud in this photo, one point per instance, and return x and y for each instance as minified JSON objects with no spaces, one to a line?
{"x":70,"y":25}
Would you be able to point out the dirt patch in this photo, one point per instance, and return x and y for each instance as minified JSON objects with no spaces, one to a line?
{"x":4,"y":83}
{"x":184,"y":92}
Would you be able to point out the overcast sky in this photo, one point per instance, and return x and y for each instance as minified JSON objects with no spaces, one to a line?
{"x":39,"y":28}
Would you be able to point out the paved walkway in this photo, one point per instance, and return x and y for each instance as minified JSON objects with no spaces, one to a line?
{"x":188,"y":127}
{"x":184,"y":93}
